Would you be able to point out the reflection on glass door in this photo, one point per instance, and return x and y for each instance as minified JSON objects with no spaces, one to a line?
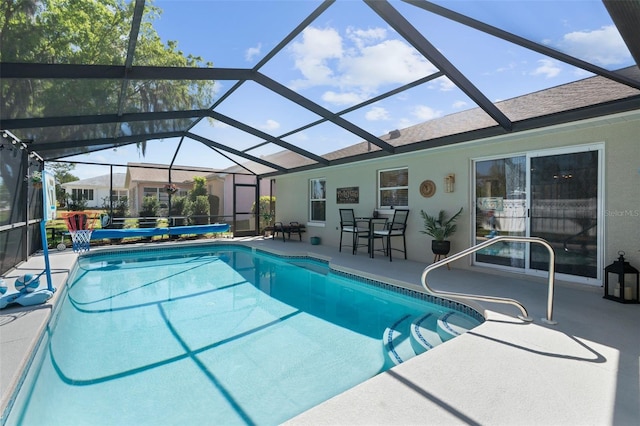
{"x":553,"y":196}
{"x":501,"y":207}
{"x":564,"y":211}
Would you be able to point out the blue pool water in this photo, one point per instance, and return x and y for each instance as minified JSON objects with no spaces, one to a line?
{"x":206,"y":335}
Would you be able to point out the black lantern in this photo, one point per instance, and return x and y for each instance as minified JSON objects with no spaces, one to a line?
{"x":624,"y":289}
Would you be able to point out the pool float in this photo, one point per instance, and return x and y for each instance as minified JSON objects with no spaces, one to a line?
{"x":27,"y":295}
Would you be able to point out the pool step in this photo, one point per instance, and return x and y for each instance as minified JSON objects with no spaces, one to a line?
{"x":424,"y":335}
{"x":397,"y":342}
{"x":454,"y":324}
{"x":410,"y":335}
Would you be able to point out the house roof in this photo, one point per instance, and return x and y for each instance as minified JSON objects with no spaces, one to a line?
{"x":467,"y":125}
{"x":149,"y":172}
{"x":116,"y":118}
{"x":103,"y":181}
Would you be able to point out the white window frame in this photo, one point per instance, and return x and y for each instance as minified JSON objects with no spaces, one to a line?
{"x":380,"y":189}
{"x":83,"y":194}
{"x":312,"y":200}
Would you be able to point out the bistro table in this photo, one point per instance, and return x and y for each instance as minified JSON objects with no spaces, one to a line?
{"x":372,"y":223}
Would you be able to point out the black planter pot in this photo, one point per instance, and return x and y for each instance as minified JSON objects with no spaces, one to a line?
{"x":440,"y":247}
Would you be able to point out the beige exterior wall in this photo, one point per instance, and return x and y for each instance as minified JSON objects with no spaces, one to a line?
{"x":621,"y":192}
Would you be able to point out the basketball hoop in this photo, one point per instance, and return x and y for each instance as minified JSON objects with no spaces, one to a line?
{"x":80,"y":225}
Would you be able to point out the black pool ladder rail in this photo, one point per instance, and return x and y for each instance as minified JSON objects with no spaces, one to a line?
{"x":502,"y":238}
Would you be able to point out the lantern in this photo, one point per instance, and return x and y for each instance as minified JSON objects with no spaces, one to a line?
{"x":626,"y":280}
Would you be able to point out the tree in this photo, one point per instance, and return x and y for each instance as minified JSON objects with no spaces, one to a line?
{"x":199,"y":188}
{"x":62,"y":174}
{"x":92,"y":32}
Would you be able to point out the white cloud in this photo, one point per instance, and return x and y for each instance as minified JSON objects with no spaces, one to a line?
{"x":345,"y":98}
{"x":270,"y":125}
{"x":547,"y":68}
{"x":603,"y":46}
{"x":443,"y":84}
{"x":394,"y":62}
{"x":424,"y":113}
{"x":252,"y":52}
{"x":446,"y":84}
{"x":312,"y":56}
{"x":459,"y":104}
{"x":364,"y":37}
{"x":510,"y":67}
{"x":325,"y":58}
{"x":377,"y":114}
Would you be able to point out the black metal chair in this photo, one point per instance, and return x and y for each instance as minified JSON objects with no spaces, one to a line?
{"x":295,"y":228}
{"x":396,"y":228}
{"x":278,"y":227}
{"x":349,"y":224}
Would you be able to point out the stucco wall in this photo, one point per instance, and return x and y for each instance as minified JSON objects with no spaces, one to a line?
{"x":621,"y":189}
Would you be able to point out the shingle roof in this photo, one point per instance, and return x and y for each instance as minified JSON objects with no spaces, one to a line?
{"x":99,"y":181}
{"x":147,"y":172}
{"x":567,"y":97}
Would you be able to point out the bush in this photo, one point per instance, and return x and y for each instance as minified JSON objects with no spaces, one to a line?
{"x":150,"y":207}
{"x":76,"y":204}
{"x":267,"y":210}
{"x":120,"y":206}
{"x":178,"y":204}
{"x":199,"y":210}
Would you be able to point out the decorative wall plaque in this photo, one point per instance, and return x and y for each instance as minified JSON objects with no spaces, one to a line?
{"x":350,"y":195}
{"x":427,"y":188}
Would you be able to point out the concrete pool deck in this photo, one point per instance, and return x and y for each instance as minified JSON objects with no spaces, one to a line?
{"x":583,"y":371}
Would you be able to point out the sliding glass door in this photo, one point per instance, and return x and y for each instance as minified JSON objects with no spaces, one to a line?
{"x":549,"y":194}
{"x":564,"y":211}
{"x":501,"y":209}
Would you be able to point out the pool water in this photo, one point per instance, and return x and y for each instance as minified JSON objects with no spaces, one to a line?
{"x":207,"y":335}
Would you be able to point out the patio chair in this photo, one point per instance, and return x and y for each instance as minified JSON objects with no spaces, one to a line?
{"x":396,"y":228}
{"x":295,"y":228}
{"x":278,"y":227}
{"x":350,"y":225}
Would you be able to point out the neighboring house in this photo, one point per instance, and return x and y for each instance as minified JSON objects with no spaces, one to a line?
{"x":95,"y":190}
{"x":149,"y":180}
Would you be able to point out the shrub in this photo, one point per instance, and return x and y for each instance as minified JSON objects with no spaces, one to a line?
{"x":178,"y":204}
{"x":150,"y":207}
{"x":267,"y":210}
{"x":120,"y":206}
{"x":76,"y":204}
{"x":199,"y":209}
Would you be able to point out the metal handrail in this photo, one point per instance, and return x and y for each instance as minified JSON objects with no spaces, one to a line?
{"x":525,"y":315}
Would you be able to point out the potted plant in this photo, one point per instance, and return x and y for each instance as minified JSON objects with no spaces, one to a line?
{"x":171,"y":188}
{"x":440,"y":228}
{"x":36,"y":179}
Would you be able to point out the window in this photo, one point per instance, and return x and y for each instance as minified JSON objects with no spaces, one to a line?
{"x":150,"y":192}
{"x":393,"y":188}
{"x":158,"y":193}
{"x":82,"y":194}
{"x":317,"y":200}
{"x":117,"y":195}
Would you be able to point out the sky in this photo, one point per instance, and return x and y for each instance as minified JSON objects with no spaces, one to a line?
{"x":349,"y":55}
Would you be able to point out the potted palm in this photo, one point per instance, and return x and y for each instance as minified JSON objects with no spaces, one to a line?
{"x":440,"y":228}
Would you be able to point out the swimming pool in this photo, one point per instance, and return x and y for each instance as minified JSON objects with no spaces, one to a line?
{"x":216,"y":334}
